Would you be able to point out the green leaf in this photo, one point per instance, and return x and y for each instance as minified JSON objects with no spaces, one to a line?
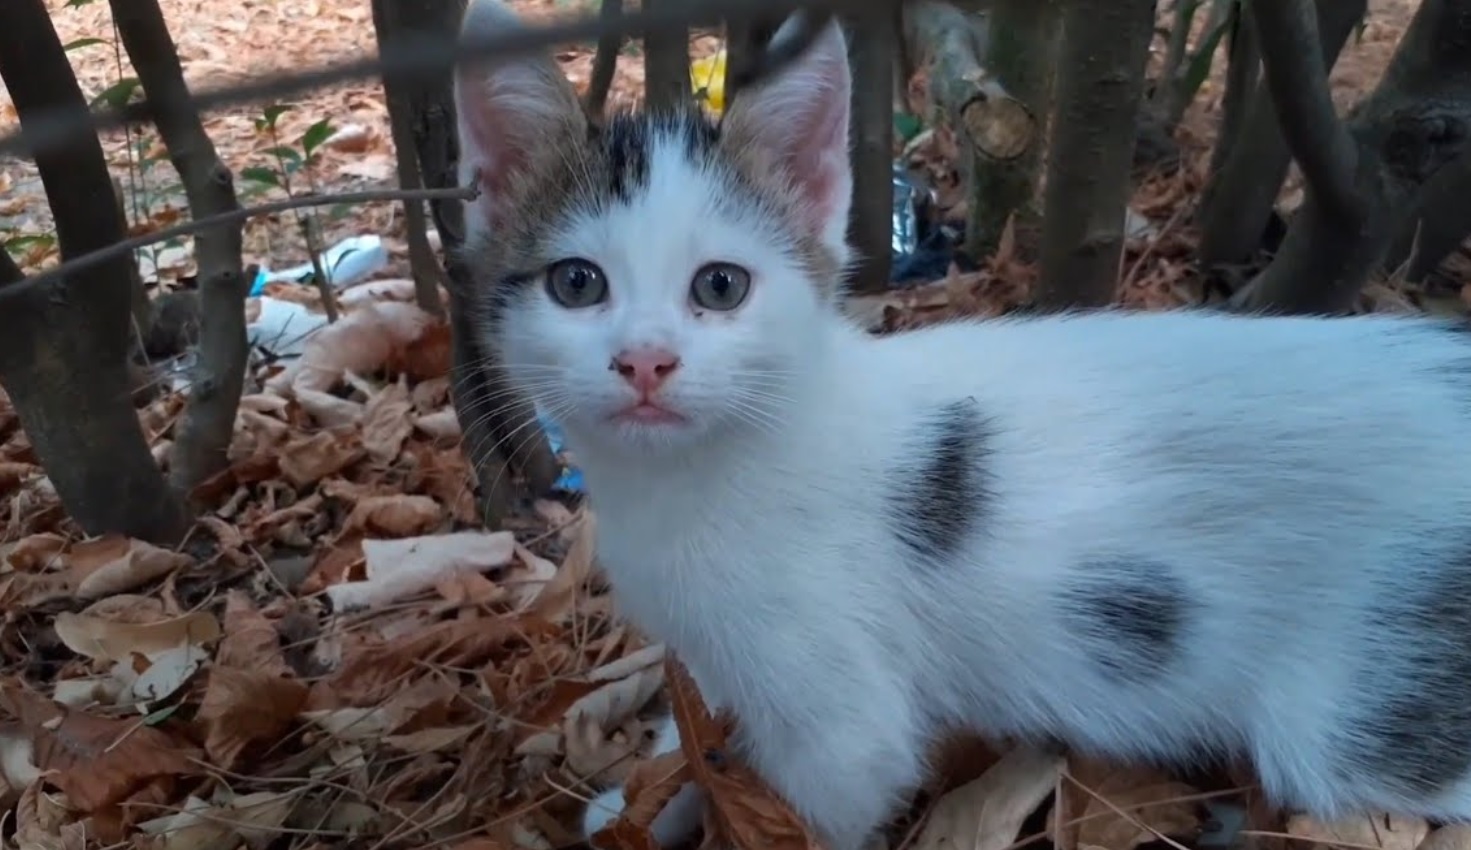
{"x":27,"y":241}
{"x":70,"y":3}
{"x":83,"y":42}
{"x":289,"y":154}
{"x":260,"y":174}
{"x":315,"y":135}
{"x":907,"y":126}
{"x":267,"y":121}
{"x":117,"y":94}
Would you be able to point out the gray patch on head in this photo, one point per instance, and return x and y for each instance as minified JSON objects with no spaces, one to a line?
{"x":942,"y":489}
{"x":1131,"y":614}
{"x":1410,"y":728}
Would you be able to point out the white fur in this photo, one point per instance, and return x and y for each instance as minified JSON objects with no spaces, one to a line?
{"x":1286,"y":470}
{"x":677,"y":821}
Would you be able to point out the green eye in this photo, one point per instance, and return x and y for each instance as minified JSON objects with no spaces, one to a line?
{"x":576,"y":283}
{"x":720,"y":286}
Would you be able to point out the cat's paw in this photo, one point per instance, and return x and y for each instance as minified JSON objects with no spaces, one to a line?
{"x":601,"y":811}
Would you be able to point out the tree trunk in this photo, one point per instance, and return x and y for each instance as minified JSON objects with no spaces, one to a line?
{"x":1248,"y":184}
{"x":667,"y":66}
{"x":202,"y":436}
{"x":1440,"y":223}
{"x":1363,"y":179}
{"x":500,"y":436}
{"x":992,"y":128}
{"x":872,"y":48}
{"x":1020,"y":53}
{"x":1100,"y":84}
{"x":64,"y":344}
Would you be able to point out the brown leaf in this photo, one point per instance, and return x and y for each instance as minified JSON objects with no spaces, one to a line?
{"x":97,"y":761}
{"x":306,"y":460}
{"x":36,"y":552}
{"x":115,"y":564}
{"x":396,"y":515}
{"x":1142,"y":794}
{"x":650,"y":787}
{"x":988,"y":813}
{"x":744,"y":810}
{"x":251,"y":696}
{"x":387,"y":422}
{"x":1388,"y":832}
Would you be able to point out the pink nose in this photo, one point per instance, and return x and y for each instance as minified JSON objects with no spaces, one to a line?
{"x":645,"y":368}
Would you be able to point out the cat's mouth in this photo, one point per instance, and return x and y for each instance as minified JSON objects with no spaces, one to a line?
{"x":648,"y":413}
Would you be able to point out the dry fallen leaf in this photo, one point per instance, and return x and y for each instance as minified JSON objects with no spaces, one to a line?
{"x":116,"y":564}
{"x":396,"y":515}
{"x":743,"y":809}
{"x":399,"y":568}
{"x":254,"y":818}
{"x":307,"y":460}
{"x":251,"y":696}
{"x":987,"y":813}
{"x":387,"y":422}
{"x":97,"y":761}
{"x":116,"y":628}
{"x":1387,"y":832}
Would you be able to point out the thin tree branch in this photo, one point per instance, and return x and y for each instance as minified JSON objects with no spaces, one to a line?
{"x":1297,"y":76}
{"x":605,"y":61}
{"x":127,"y":246}
{"x":432,"y":55}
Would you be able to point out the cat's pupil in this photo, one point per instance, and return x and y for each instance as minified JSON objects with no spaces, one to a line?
{"x":577,"y":279}
{"x":720,"y":283}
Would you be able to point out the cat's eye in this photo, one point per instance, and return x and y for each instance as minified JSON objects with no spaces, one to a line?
{"x":576,"y":283}
{"x":720,"y":286}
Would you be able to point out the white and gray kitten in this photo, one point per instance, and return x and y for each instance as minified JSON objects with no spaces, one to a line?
{"x":1148,"y":536}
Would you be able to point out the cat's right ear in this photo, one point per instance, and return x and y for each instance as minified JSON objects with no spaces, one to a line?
{"x":509,"y":112}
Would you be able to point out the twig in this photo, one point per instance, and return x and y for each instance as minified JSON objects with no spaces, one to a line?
{"x":128,"y":245}
{"x":605,"y":61}
{"x":1297,"y":76}
{"x":431,"y":55}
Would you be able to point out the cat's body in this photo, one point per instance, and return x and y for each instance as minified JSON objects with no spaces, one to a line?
{"x":1152,"y":536}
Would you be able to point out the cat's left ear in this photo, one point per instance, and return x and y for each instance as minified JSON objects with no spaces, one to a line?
{"x":509,"y":112}
{"x":799,"y":118}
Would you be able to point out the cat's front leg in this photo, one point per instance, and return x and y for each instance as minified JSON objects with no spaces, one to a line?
{"x":847,"y":769}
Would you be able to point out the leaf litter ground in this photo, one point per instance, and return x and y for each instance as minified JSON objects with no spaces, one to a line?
{"x":341,"y":656}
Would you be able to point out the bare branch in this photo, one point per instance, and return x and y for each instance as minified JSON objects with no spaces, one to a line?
{"x":1294,"y":70}
{"x":872,"y":41}
{"x":1243,"y":192}
{"x":202,"y":439}
{"x":605,"y":61}
{"x":1409,"y":134}
{"x":666,"y":64}
{"x":431,"y":55}
{"x":127,"y":246}
{"x":1100,"y":82}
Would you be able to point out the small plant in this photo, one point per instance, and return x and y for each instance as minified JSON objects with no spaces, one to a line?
{"x":290,"y":161}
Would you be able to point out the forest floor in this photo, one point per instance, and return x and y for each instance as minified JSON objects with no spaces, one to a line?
{"x":340,"y":656}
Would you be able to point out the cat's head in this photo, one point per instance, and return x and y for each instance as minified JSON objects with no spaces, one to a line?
{"x":654,"y":280}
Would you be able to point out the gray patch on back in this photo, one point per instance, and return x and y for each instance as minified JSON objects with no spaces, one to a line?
{"x":1131,"y":614}
{"x":1412,"y":727}
{"x":942,"y":490}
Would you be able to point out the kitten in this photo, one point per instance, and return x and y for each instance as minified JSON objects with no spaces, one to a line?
{"x":1147,"y":536}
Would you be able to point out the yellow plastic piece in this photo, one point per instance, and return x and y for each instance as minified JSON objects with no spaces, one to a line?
{"x":707,"y":78}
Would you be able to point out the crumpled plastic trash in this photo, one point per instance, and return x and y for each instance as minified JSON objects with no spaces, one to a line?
{"x":345,"y":263}
{"x":707,"y":79}
{"x":282,"y":327}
